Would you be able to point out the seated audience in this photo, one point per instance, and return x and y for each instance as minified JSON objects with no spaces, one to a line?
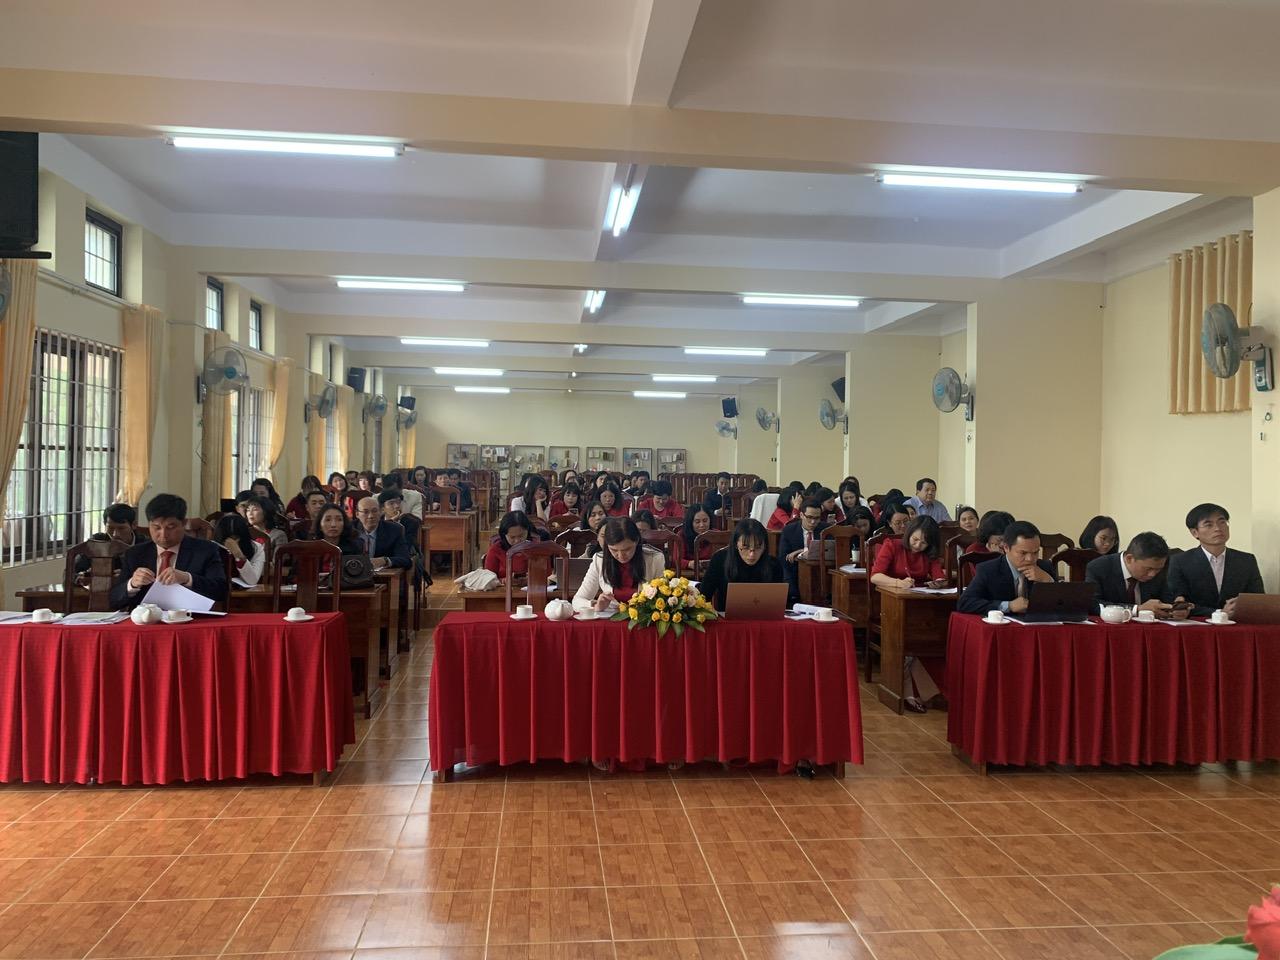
{"x":1135,"y":578}
{"x":926,"y":502}
{"x":570,"y":476}
{"x":1100,"y":534}
{"x":535,"y":499}
{"x":338,"y":485}
{"x":645,"y":521}
{"x":599,"y":481}
{"x":697,"y":521}
{"x":391,"y":499}
{"x":894,"y":518}
{"x":419,"y":477}
{"x":263,"y":489}
{"x":639,"y":486}
{"x":513,"y":529}
{"x":316,"y":501}
{"x":297,"y":508}
{"x":118,"y":522}
{"x":758,"y":486}
{"x":366,"y":481}
{"x":850,"y":497}
{"x":1005,"y":583}
{"x":861,"y":519}
{"x":790,"y":500}
{"x":411,"y":501}
{"x":383,"y":541}
{"x":968,"y":519}
{"x":232,"y":533}
{"x":716,"y":497}
{"x":465,"y":501}
{"x":831,"y":511}
{"x":170,"y":557}
{"x":660,"y":502}
{"x":594,"y":520}
{"x":353,"y":479}
{"x":914,"y":560}
{"x":795,"y":540}
{"x":1214,"y":575}
{"x":892,"y":495}
{"x":610,"y":497}
{"x":745,"y":560}
{"x":569,"y":501}
{"x":333,"y":527}
{"x":615,"y":573}
{"x":990,"y":535}
{"x":263,"y":521}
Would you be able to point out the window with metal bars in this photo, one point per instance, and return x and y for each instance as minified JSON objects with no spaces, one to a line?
{"x":102,"y":247}
{"x":65,"y":471}
{"x":377,"y":445}
{"x":255,"y":325}
{"x":213,"y":304}
{"x":332,"y":457}
{"x":251,"y":426}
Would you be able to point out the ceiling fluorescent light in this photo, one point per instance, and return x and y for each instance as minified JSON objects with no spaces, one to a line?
{"x":481,"y":389}
{"x":593,"y":301}
{"x":441,"y":342}
{"x":468,"y":372}
{"x":400,"y":283}
{"x":623,"y":198}
{"x":725,"y":351}
{"x":320,"y":148}
{"x":580,"y":347}
{"x":658,"y":395}
{"x":682,"y":378}
{"x":797,"y":300}
{"x":626,"y":209}
{"x":1016,"y":184}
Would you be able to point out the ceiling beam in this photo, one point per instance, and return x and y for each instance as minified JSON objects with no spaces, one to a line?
{"x":121,"y":105}
{"x":411,"y":358}
{"x":658,"y":45}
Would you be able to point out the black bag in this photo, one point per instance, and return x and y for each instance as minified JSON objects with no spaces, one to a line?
{"x":357,"y":571}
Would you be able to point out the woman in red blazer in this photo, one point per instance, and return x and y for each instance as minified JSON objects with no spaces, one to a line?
{"x":514,"y":529}
{"x":614,"y":503}
{"x":788,"y":509}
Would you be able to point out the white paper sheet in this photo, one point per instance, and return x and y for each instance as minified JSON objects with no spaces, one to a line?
{"x":852,"y":568}
{"x":1181,"y":623}
{"x":14,"y":616}
{"x":94,"y":619}
{"x":174,"y":597}
{"x":949,"y":591}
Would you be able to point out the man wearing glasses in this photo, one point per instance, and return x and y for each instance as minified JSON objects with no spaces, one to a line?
{"x":1212,"y":576}
{"x":794,"y":541}
{"x":383,"y":540}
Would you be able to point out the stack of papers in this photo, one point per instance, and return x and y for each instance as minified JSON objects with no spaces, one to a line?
{"x":94,"y":619}
{"x":173,"y":597}
{"x":852,"y":568}
{"x":950,"y":591}
{"x":14,"y":616}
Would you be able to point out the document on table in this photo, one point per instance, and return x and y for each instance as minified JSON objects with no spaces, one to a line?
{"x":14,"y":616}
{"x":1180,"y":623}
{"x":171,"y":596}
{"x":1049,"y":623}
{"x":94,"y":619}
{"x":948,"y":591}
{"x":852,"y":568}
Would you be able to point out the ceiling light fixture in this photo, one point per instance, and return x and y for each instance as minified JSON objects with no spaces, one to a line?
{"x":725,"y":351}
{"x":580,"y":347}
{"x":623,"y":198}
{"x":593,"y":301}
{"x":319,"y":148}
{"x":468,"y":372}
{"x":682,"y":378}
{"x":442,"y":342}
{"x":573,"y":374}
{"x":979,"y":182}
{"x":658,"y":395}
{"x":481,"y":389}
{"x":798,"y":300}
{"x":400,"y":283}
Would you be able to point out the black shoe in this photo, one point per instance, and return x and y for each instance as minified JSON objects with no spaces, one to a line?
{"x":914,"y":705}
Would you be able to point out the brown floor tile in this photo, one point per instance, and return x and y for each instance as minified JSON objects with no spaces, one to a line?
{"x":275,"y":802}
{"x":1203,"y":786}
{"x":14,"y":803}
{"x":549,"y":866}
{"x":403,"y":711}
{"x":966,"y":790}
{"x":367,"y":800}
{"x":416,"y":749}
{"x":1249,"y":813}
{"x":667,"y":912}
{"x":24,"y":840}
{"x":547,"y":915}
{"x":137,"y":838}
{"x":1098,"y":816}
{"x":84,"y":803}
{"x":871,"y":790}
{"x":1008,"y":819}
{"x":860,"y":860}
{"x":920,"y":820}
{"x":81,"y":879}
{"x":18,"y":876}
{"x":829,"y":947}
{"x":55,"y":930}
{"x":764,"y":861}
{"x":1058,"y":855}
{"x":550,"y":827}
{"x":797,"y":791}
{"x":720,"y":793}
{"x":1145,"y":940}
{"x":641,"y":826}
{"x":829,"y":822}
{"x":548,"y":770}
{"x":949,"y":945}
{"x":182,"y":804}
{"x":1122,"y":786}
{"x":1152,"y":852}
{"x":1180,"y":816}
{"x":884,"y":906}
{"x":653,"y":864}
{"x":173,"y":928}
{"x":223,"y":875}
{"x":873,"y":765}
{"x":906,"y":741}
{"x":350,"y":833}
{"x":451,"y":830}
{"x":1233,"y":849}
{"x":620,"y":794}
{"x":460,"y":798}
{"x":329,"y":874}
{"x":293,"y":924}
{"x":309,"y":955}
{"x":762,"y":909}
{"x":991,"y":902}
{"x":722,"y":949}
{"x":1078,"y":943}
{"x":737,"y":824}
{"x":388,"y":729}
{"x":598,"y":950}
{"x":1051,"y":786}
{"x":369,"y":772}
{"x":440,"y":869}
{"x":932,"y":765}
{"x":959,"y":857}
{"x":552,"y":796}
{"x":427,"y":919}
{"x":247,"y":835}
{"x":1216,"y":897}
{"x":711,"y":770}
{"x":1117,"y":898}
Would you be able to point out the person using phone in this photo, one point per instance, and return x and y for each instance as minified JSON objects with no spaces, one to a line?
{"x":1136,"y":578}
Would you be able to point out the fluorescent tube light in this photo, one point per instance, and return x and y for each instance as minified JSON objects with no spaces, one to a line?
{"x":441,"y":342}
{"x":725,"y":351}
{"x":795,"y":300}
{"x":400,"y":283}
{"x":580,"y":347}
{"x":658,"y":395}
{"x":468,"y":372}
{"x":682,"y":378}
{"x":481,"y":389}
{"x":593,"y":301}
{"x":320,"y":148}
{"x":978,"y":183}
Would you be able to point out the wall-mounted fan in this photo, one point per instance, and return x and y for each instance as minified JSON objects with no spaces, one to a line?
{"x":768,"y":420}
{"x":726,"y":429}
{"x":828,"y":416}
{"x":375,"y":407}
{"x":949,"y":391}
{"x":1225,"y":344}
{"x":406,"y":421}
{"x":323,"y":404}
{"x":224,"y":370}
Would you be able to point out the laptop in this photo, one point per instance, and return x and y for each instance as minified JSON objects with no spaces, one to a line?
{"x":1060,"y":601}
{"x":1257,"y":608}
{"x":755,"y":601}
{"x":827,"y":546}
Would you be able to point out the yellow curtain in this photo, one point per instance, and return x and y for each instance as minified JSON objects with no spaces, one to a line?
{"x":346,"y":397}
{"x":278,"y":411}
{"x":408,"y":446}
{"x":214,"y":436}
{"x":1220,"y":272}
{"x":315,"y":430}
{"x":143,"y":329}
{"x":17,"y":343}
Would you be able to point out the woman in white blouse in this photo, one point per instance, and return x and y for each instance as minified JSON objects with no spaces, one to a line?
{"x":535,"y":500}
{"x":616,"y":572}
{"x":232,"y":533}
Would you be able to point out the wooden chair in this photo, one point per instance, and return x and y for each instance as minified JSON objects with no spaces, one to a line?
{"x":845,"y":536}
{"x":570,"y":572}
{"x":1076,"y":560}
{"x":717,"y":539}
{"x":968,"y":563}
{"x":304,"y":557}
{"x":665,"y":540}
{"x":575,"y":541}
{"x":565,"y":521}
{"x":229,"y":568}
{"x":104,"y":557}
{"x":449,"y":498}
{"x":954,"y":549}
{"x":298,"y":529}
{"x":199,"y":528}
{"x":869,"y":549}
{"x":541,"y":558}
{"x":1051,"y":543}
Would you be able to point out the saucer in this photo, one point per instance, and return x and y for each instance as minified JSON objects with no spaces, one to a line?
{"x":994,"y":623}
{"x":298,"y":619}
{"x":817,"y":619}
{"x":186,"y":619}
{"x":579,"y":616}
{"x":54,"y":619}
{"x":516,"y":616}
{"x":1221,"y":623}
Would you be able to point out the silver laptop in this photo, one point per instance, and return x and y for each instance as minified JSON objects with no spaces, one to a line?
{"x":755,"y":601}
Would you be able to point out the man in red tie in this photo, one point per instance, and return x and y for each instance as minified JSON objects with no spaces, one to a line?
{"x":170,"y":558}
{"x":1134,"y":578}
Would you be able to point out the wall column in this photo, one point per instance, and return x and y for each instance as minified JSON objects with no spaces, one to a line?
{"x":1264,"y":434}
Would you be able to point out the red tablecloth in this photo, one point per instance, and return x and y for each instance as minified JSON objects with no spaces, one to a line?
{"x":1103,"y":694}
{"x":510,"y":691}
{"x":215,"y":698}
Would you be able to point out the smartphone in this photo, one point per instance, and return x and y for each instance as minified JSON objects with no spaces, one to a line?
{"x":1181,"y":605}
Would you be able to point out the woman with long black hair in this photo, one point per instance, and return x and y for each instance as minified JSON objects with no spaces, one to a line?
{"x":232,"y":533}
{"x":745,"y":560}
{"x":624,"y":565}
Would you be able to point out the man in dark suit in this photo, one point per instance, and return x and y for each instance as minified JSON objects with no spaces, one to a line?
{"x":118,"y":522}
{"x":384,"y":541}
{"x":1212,"y":575}
{"x":1004,"y":584}
{"x":794,"y":541}
{"x":464,"y":489}
{"x":714,"y":501}
{"x":1134,"y":578}
{"x":392,"y":504}
{"x":170,"y":557}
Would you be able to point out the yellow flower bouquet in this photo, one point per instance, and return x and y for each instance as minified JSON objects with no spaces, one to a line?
{"x":668,"y":602}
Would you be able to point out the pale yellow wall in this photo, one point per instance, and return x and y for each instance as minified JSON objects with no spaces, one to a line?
{"x":1157,"y":465}
{"x":807,"y":450}
{"x":1263,"y":435}
{"x":952,"y":428}
{"x":757,"y":449}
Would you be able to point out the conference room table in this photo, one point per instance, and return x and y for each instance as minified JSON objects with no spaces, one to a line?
{"x":1098,"y":693}
{"x":211,"y":699}
{"x":456,"y":534}
{"x":506,"y":691}
{"x":849,"y":593}
{"x":912,"y":624}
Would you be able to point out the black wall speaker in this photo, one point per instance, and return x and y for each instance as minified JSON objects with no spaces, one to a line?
{"x":407,"y":403}
{"x":838,"y":387}
{"x":19,"y":207}
{"x":729,"y":406}
{"x":355,"y":378}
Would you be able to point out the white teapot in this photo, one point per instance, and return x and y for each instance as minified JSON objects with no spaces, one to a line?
{"x":558,"y":610}
{"x":146,"y":613}
{"x":1116,"y":613}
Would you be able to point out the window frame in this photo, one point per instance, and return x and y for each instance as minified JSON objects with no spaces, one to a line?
{"x":116,"y":231}
{"x":255,"y":325}
{"x":214,"y":285}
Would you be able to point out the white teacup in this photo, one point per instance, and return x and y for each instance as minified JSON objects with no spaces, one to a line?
{"x":1115,"y":613}
{"x":588,"y":613}
{"x":524,"y":611}
{"x":996,"y":616}
{"x":1218,"y":616}
{"x":824,"y":614}
{"x":1146,"y":616}
{"x":43,"y":615}
{"x":176,"y":616}
{"x":296,"y":613}
{"x":854,"y":556}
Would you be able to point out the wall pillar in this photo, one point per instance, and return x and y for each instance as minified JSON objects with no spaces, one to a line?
{"x":1265,"y":433}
